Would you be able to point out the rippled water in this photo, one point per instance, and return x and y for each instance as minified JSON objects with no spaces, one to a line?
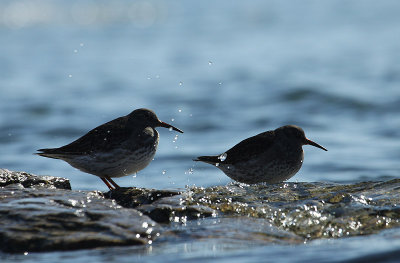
{"x":221,"y":71}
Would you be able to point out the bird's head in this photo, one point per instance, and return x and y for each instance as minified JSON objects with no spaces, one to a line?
{"x":293,"y":132}
{"x":146,"y":117}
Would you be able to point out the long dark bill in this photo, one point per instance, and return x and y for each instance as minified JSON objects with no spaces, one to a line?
{"x":166,"y":125}
{"x":315,"y":144}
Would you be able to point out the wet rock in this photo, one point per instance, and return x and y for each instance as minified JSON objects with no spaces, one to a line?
{"x":43,"y":219}
{"x":172,"y":209}
{"x":162,"y":206}
{"x":36,"y":216}
{"x":28,"y":180}
{"x":255,"y":231}
{"x":310,"y":210}
{"x":131,"y":197}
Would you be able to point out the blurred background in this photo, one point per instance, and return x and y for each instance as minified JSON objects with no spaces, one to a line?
{"x":221,"y":71}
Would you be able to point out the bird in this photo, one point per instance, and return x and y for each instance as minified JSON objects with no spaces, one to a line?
{"x":117,"y":148}
{"x":270,"y":157}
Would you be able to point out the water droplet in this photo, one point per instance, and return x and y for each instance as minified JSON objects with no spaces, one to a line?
{"x":190,"y":171}
{"x":172,"y":119}
{"x":134,"y":175}
{"x":148,"y":78}
{"x":81,"y":44}
{"x":137,"y":235}
{"x":157,"y":76}
{"x":210,"y":63}
{"x":75,"y":51}
{"x":217,"y":164}
{"x":145,"y":225}
{"x":179,"y":110}
{"x":222,"y":157}
{"x":26,"y":253}
{"x":105,"y":139}
{"x":108,"y":131}
{"x":190,"y":115}
{"x":163,"y":171}
{"x":70,"y":76}
{"x":180,"y":83}
{"x":170,"y":128}
{"x":150,"y":242}
{"x":220,"y":83}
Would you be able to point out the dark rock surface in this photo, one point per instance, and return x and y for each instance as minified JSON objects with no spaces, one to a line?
{"x":28,"y":180}
{"x":40,"y":214}
{"x":41,"y":218}
{"x":163,"y":206}
{"x":310,"y":210}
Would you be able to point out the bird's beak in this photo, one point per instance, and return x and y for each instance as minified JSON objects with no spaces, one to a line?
{"x":169,"y":126}
{"x":309,"y":142}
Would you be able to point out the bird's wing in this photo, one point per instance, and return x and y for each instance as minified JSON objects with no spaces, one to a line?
{"x":250,"y":147}
{"x":243,"y":151}
{"x":104,"y":137}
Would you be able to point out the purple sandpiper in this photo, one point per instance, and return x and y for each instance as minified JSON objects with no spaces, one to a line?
{"x":271,"y":157}
{"x":117,"y":148}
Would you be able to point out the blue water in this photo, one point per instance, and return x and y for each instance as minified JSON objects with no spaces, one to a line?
{"x":221,"y":71}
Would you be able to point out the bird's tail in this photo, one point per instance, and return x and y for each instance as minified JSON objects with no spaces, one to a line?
{"x":49,"y":153}
{"x":208,"y":159}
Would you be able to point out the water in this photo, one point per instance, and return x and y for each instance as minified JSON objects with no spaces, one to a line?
{"x":220,"y":71}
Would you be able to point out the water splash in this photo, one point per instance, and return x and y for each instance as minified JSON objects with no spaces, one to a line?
{"x":189,"y":171}
{"x":222,"y":157}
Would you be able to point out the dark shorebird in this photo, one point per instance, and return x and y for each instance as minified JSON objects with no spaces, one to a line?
{"x":117,"y":148}
{"x":271,"y":156}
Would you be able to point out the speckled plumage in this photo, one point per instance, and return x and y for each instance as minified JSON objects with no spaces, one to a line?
{"x":117,"y":148}
{"x":272,"y":156}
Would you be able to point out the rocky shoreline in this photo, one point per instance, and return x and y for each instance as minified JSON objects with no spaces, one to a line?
{"x":42,"y":213}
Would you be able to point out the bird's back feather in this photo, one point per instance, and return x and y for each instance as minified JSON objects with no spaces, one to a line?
{"x":244,"y":150}
{"x":98,"y":139}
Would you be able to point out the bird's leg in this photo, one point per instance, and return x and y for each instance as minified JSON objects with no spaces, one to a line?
{"x":112,"y":182}
{"x":107,"y":183}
